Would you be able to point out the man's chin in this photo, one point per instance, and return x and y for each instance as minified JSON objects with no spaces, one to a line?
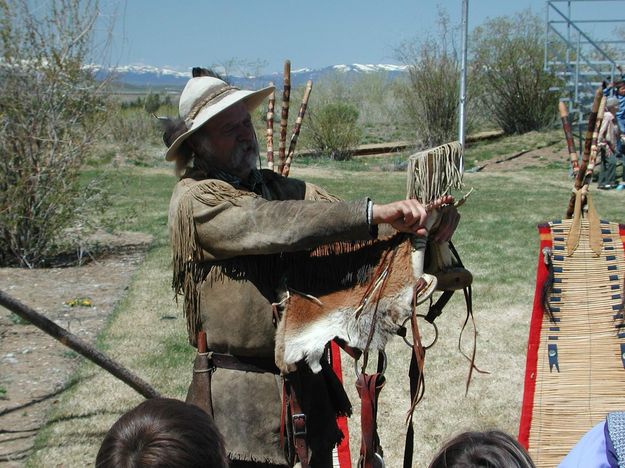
{"x":244,"y":167}
{"x":251,"y":160}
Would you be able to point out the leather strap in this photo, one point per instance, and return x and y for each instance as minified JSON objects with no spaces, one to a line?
{"x":413,"y":375}
{"x":298,"y":425}
{"x":437,"y":308}
{"x":354,"y":353}
{"x":247,"y":364}
{"x":417,"y":384}
{"x":369,"y":387}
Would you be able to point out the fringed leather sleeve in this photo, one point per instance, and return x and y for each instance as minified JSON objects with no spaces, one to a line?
{"x":188,"y":256}
{"x":211,"y":221}
{"x":314,"y":192}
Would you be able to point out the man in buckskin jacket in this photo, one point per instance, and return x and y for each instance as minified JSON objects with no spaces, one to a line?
{"x":230,"y":225}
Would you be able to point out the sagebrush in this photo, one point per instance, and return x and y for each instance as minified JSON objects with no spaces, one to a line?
{"x":333,"y":130}
{"x":49,"y":106}
{"x":430,"y":94}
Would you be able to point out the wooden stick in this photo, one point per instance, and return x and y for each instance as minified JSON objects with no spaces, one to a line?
{"x":270,"y":109}
{"x":296,"y":129}
{"x":568,"y":135}
{"x":595,"y":138}
{"x":284,"y":117}
{"x":581,"y":174}
{"x":72,"y":341}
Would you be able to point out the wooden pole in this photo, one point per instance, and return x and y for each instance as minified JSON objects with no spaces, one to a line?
{"x":595,"y":137}
{"x":297,"y":128}
{"x":581,"y":174}
{"x":568,"y":134}
{"x":270,"y":110}
{"x":72,"y":341}
{"x":284,"y":116}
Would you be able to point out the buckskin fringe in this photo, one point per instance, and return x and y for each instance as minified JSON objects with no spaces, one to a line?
{"x":434,"y":172}
{"x":189,"y":271}
{"x":338,"y":265}
{"x":315,"y":193}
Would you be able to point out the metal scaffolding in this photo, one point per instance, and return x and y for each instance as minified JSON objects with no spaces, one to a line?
{"x":581,"y":61}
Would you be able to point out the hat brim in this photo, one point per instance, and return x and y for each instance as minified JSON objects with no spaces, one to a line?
{"x":251,"y":99}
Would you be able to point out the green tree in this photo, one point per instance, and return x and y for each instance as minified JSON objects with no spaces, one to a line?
{"x":152,"y":102}
{"x":507,"y":56}
{"x":48,"y":103}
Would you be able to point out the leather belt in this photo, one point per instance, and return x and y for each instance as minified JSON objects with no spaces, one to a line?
{"x":247,"y":364}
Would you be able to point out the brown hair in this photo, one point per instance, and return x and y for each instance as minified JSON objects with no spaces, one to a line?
{"x":490,"y":449}
{"x":172,"y":129}
{"x":163,"y":432}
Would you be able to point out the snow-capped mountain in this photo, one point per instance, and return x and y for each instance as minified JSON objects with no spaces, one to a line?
{"x":149,"y":76}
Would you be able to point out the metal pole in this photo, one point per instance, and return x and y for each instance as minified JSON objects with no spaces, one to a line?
{"x":463,"y":78}
{"x":568,"y":41}
{"x":545,"y":66}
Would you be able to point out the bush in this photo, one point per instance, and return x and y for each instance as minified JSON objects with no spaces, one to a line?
{"x":48,"y":110}
{"x":131,"y":127}
{"x":507,"y":55}
{"x":430,"y":94}
{"x":333,"y":130}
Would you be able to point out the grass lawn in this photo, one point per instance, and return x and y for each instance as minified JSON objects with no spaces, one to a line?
{"x":497,"y":240}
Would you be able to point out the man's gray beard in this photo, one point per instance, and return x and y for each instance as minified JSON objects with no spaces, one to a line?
{"x":245,"y":155}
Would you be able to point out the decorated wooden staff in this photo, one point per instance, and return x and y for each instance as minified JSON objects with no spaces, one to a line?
{"x":581,"y":173}
{"x":296,"y":129}
{"x":272,"y":103}
{"x":568,"y":134}
{"x":595,"y":137}
{"x":284,"y":116}
{"x":72,"y":341}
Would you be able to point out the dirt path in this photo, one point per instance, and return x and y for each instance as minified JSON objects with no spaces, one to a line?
{"x":524,"y":159}
{"x":34,"y":368}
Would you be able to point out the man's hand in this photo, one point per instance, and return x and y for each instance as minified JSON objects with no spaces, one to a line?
{"x":405,"y":216}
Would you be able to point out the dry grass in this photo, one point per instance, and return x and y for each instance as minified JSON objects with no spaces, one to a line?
{"x":499,"y":244}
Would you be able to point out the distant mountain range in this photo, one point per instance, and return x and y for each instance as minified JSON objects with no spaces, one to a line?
{"x":145,"y":76}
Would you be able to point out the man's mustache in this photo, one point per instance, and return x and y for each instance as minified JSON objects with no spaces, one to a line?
{"x":246,"y":148}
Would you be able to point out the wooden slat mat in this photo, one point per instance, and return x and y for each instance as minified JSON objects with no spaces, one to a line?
{"x":575,"y":370}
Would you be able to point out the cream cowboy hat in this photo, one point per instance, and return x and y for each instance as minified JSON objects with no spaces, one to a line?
{"x":203,"y":98}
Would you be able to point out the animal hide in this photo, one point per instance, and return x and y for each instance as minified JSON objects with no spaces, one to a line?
{"x":378,"y":284}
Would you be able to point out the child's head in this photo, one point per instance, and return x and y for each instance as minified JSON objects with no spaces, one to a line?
{"x":490,"y":449}
{"x":162,"y":432}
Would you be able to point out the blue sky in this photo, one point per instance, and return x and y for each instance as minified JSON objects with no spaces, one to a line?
{"x":185,"y":33}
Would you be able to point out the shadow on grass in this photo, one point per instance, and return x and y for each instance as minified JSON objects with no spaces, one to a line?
{"x":45,"y":397}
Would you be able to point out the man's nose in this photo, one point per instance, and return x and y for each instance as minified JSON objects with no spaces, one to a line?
{"x":245,"y":133}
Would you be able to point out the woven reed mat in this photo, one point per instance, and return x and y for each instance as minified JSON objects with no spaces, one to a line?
{"x":575,"y":371}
